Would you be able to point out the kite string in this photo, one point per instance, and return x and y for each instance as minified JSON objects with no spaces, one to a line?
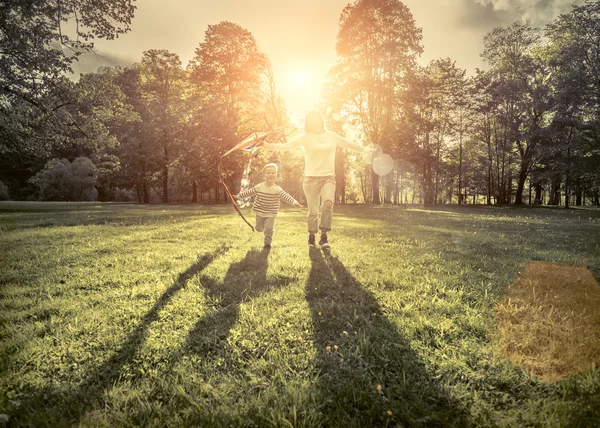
{"x":230,"y":196}
{"x":251,"y":142}
{"x":245,"y":183}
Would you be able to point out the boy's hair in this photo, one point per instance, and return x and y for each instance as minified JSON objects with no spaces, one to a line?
{"x":270,"y":165}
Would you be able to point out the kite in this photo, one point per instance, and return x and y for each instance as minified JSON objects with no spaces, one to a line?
{"x":250,"y":144}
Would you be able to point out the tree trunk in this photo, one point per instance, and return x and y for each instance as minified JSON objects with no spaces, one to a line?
{"x":555,"y":191}
{"x":489,"y":186}
{"x":194,"y":192}
{"x":538,"y":194}
{"x":138,"y":191}
{"x":375,"y":185}
{"x":146,"y":193}
{"x":363,"y":185}
{"x":165,"y":198}
{"x":460,"y":149}
{"x":521,"y":185}
{"x":568,"y":179}
{"x":414,"y":192}
{"x":427,"y":183}
{"x":437,"y":174}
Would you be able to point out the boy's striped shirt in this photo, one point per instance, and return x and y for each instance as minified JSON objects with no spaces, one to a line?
{"x":267,"y":199}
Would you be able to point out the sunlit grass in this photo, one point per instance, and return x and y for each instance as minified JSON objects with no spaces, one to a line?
{"x":133,"y":315}
{"x":549,"y":320}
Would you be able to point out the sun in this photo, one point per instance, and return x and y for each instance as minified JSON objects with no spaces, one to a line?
{"x":300,"y":79}
{"x":300,"y":87}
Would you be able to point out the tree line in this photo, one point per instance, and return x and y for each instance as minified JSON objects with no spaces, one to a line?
{"x":525,"y":130}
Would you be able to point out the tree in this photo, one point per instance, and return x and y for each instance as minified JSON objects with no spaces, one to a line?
{"x":377,"y":45}
{"x":163,"y":87}
{"x":135,"y":151}
{"x":36,"y":50}
{"x":522,"y":78}
{"x":574,"y":56}
{"x":227,"y":73}
{"x":483,"y":124}
{"x":446,"y":87}
{"x":61,"y":180}
{"x":34,"y":34}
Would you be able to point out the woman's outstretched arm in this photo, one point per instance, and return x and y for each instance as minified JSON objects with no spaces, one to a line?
{"x":347,"y":144}
{"x":291,"y":145}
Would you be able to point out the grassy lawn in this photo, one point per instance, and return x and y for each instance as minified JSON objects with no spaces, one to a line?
{"x":127,"y":315}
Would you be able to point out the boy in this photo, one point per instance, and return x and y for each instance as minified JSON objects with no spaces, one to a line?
{"x":267,"y":201}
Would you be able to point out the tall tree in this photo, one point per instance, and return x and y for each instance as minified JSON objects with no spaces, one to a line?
{"x":36,"y":50}
{"x":574,"y":56}
{"x":447,"y":83}
{"x":34,"y":33}
{"x":163,"y":87}
{"x":482,"y":126}
{"x":522,"y":79}
{"x":227,"y":73}
{"x":377,"y":45}
{"x":136,"y":152}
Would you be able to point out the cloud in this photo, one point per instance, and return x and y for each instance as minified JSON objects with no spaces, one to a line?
{"x":89,"y":63}
{"x":480,"y":14}
{"x":496,"y":13}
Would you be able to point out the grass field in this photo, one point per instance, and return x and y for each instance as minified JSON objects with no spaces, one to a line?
{"x":167,"y":316}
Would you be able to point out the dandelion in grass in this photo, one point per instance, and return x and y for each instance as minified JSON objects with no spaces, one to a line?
{"x":328,"y":348}
{"x":379,"y":388}
{"x":335,"y":347}
{"x":389,"y":413}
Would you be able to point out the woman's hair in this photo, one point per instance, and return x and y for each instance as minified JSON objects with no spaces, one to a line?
{"x":313,"y":122}
{"x":270,"y":165}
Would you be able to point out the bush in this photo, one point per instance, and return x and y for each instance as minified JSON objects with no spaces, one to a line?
{"x":61,"y":180}
{"x":124,"y":195}
{"x":4,"y":196}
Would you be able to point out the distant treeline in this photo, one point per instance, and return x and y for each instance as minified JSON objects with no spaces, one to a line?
{"x":525,"y":130}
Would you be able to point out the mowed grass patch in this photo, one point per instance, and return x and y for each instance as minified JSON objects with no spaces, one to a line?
{"x":128,"y":315}
{"x":549,"y":320}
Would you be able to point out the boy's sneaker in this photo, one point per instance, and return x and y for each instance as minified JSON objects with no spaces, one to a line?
{"x":323,"y":241}
{"x":311,"y":239}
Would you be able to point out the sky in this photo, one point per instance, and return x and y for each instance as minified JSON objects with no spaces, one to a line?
{"x":299,"y":36}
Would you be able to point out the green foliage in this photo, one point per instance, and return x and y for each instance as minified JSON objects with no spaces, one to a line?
{"x":377,"y":45}
{"x":34,"y":34}
{"x":228,"y":72}
{"x":61,"y":180}
{"x":124,"y":195}
{"x":4,"y":196}
{"x":35,"y":43}
{"x":158,"y":315}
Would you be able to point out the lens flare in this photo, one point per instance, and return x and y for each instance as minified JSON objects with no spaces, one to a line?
{"x":383,"y":164}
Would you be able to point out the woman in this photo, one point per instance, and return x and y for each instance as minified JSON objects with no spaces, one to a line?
{"x":319,"y":146}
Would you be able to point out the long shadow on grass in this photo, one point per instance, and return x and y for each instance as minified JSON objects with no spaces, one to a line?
{"x":208,"y":339}
{"x":46,"y":404}
{"x":359,"y":349}
{"x":244,"y":280}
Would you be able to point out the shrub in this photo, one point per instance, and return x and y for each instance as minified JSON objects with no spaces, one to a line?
{"x":61,"y":180}
{"x":4,"y":196}
{"x":124,"y":195}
